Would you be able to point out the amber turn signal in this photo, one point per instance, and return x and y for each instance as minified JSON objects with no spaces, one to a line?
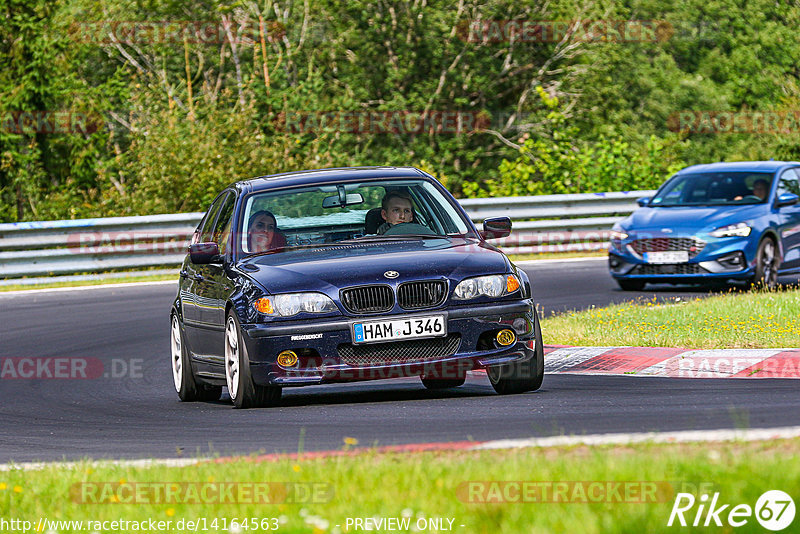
{"x":512,"y":284}
{"x":264,"y":305}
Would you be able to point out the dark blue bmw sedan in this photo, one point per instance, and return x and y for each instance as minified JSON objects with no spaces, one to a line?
{"x":720,"y":221}
{"x":350,"y":274}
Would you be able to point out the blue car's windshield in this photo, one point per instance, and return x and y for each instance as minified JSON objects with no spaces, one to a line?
{"x":327,"y":214}
{"x":714,"y":188}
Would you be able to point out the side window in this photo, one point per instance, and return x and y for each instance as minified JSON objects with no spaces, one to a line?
{"x":222,"y":229}
{"x":207,"y":231}
{"x":788,"y":182}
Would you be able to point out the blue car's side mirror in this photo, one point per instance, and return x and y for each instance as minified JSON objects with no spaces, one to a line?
{"x":787,"y":199}
{"x":644,"y":201}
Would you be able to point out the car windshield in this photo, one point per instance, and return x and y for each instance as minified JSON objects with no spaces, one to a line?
{"x":714,"y":188}
{"x":332,"y":213}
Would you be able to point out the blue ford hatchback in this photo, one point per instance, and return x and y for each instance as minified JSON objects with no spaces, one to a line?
{"x":713,"y":222}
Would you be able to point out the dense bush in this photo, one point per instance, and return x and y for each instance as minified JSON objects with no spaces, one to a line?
{"x":173,"y":120}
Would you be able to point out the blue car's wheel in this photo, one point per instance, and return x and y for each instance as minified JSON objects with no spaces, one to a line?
{"x":766,"y":264}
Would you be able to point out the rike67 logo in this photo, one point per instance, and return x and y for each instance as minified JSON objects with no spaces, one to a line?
{"x":774,"y":510}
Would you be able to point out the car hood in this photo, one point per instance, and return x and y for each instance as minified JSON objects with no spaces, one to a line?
{"x":689,"y":219}
{"x":329,"y":268}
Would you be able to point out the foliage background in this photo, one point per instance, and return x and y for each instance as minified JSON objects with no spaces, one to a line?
{"x":176,"y":121}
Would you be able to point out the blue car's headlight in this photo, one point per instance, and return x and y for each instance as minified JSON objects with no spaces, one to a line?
{"x":617,"y":235}
{"x":290,"y":304}
{"x":732,"y":230}
{"x":496,"y":285}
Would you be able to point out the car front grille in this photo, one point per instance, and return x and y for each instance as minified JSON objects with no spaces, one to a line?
{"x":424,"y":294}
{"x":692,"y":245}
{"x":669,"y":268}
{"x":368,"y":299}
{"x":408,"y":351}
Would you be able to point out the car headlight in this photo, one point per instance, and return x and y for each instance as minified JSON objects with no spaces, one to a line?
{"x":732,"y":230}
{"x":496,"y":285}
{"x":293,"y":303}
{"x":616,"y":235}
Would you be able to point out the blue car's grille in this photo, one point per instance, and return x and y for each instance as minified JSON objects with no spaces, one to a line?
{"x":424,"y":294}
{"x":692,"y":245}
{"x":368,"y":299}
{"x":407,"y":351}
{"x":669,"y":268}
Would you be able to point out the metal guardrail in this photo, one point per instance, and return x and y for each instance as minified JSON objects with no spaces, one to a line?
{"x":561,"y":223}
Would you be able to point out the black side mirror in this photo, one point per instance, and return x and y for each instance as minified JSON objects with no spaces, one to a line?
{"x":644,"y":201}
{"x":204,"y":253}
{"x":787,"y":199}
{"x":496,"y":227}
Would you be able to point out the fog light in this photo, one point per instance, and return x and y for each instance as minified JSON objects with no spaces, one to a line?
{"x":506,"y":337}
{"x":287,"y":359}
{"x":733,"y":261}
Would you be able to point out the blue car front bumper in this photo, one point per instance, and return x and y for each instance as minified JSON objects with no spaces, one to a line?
{"x":730,"y":258}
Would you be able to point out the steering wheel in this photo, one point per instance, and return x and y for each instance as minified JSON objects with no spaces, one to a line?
{"x":408,"y":229}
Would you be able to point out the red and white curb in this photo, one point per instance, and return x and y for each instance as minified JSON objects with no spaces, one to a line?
{"x":673,"y":362}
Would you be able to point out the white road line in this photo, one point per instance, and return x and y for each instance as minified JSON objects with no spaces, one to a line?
{"x":686,"y":436}
{"x":86,"y":288}
{"x":166,"y":462}
{"x":683,"y":436}
{"x":558,"y":260}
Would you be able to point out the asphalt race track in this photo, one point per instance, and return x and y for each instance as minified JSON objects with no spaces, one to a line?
{"x":134,"y":412}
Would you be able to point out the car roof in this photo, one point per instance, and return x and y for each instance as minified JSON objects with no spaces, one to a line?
{"x":733,"y":166}
{"x":323,"y":176}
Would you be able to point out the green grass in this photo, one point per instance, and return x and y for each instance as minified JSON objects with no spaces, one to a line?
{"x":430,"y":485}
{"x":757,"y":319}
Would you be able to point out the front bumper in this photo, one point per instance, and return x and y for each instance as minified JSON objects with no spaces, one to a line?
{"x":320,"y":345}
{"x":721,"y":259}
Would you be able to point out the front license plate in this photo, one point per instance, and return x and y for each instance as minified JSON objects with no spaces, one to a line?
{"x":412,"y":327}
{"x":677,"y":256}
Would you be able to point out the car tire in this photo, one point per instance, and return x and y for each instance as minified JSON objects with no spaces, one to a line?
{"x":519,"y":377}
{"x":766,"y":274}
{"x":630,"y":285}
{"x":443,"y":383}
{"x":243,"y":391}
{"x":182,"y":375}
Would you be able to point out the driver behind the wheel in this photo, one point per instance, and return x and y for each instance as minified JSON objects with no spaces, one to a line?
{"x":760,"y":190}
{"x":396,"y":208}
